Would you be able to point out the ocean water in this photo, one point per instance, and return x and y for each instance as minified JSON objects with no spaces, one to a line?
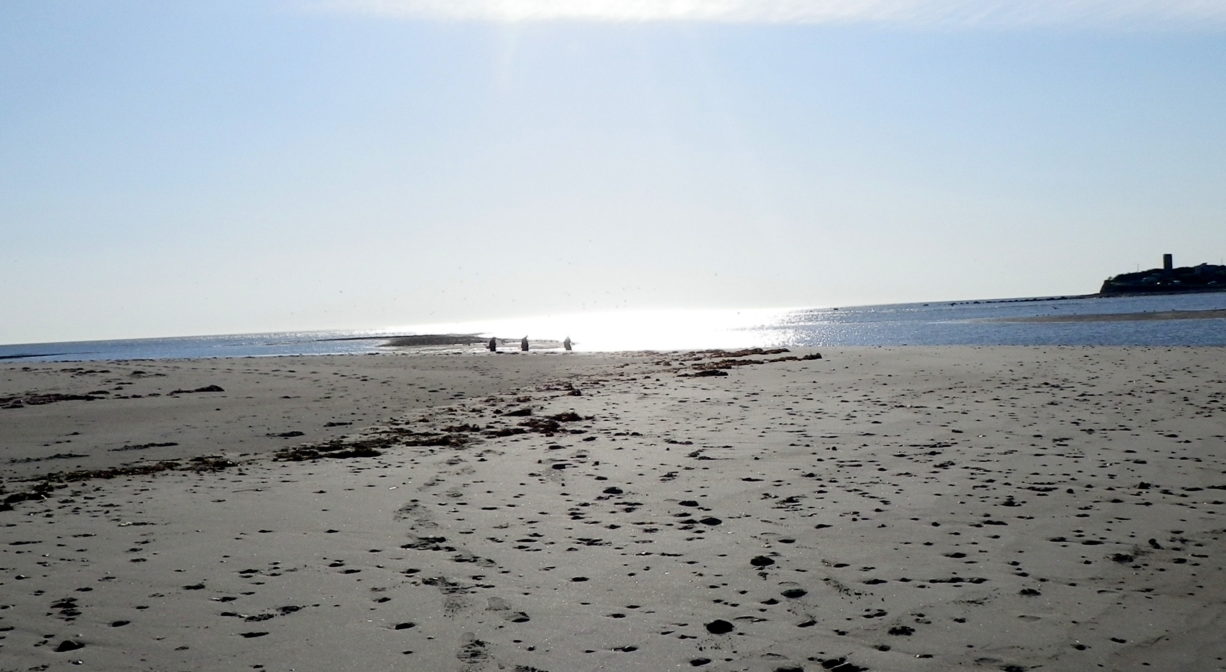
{"x":932,"y":323}
{"x":988,"y":323}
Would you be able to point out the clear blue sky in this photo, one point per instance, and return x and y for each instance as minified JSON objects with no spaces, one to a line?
{"x":176,"y":168}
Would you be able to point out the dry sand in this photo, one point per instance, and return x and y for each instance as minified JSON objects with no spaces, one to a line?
{"x":876,"y":509}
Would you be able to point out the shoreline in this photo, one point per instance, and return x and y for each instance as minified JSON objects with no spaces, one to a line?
{"x":878,"y":508}
{"x":261,"y":340}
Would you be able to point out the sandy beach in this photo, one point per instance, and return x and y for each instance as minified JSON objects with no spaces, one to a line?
{"x":872,"y":509}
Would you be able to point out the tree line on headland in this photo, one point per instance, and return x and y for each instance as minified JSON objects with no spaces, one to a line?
{"x":1202,"y":278}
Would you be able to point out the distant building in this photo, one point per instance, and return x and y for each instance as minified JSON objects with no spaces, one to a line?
{"x":1168,"y":279}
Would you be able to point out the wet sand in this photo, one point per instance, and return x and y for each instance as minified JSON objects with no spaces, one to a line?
{"x":1216,"y":314}
{"x":875,"y":509}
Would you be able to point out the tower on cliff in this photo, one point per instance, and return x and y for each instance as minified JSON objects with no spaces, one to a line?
{"x":1168,"y":262}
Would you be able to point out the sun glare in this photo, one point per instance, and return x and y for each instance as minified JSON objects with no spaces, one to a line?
{"x":630,"y":329}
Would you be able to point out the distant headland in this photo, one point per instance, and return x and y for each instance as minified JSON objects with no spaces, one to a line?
{"x":1167,"y":280}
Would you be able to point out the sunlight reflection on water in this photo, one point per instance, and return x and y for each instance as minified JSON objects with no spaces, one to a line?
{"x":936,"y":323}
{"x":634,"y":330}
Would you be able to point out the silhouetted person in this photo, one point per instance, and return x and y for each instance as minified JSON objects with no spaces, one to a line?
{"x":566,"y":344}
{"x":493,"y":345}
{"x":523,"y":344}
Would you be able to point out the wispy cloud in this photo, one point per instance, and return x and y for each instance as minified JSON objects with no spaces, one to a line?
{"x":934,"y":13}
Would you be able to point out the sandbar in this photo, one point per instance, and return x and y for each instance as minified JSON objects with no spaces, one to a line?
{"x":1213,"y":314}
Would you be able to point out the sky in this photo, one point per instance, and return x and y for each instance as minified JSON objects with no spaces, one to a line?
{"x":189,"y":168}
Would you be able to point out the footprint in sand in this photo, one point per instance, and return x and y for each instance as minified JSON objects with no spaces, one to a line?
{"x":455,"y":595}
{"x":464,"y":556}
{"x":416,"y":512}
{"x":472,"y":653}
{"x":503,"y":608}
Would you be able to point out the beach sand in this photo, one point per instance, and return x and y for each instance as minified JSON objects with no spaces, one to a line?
{"x":874,"y":509}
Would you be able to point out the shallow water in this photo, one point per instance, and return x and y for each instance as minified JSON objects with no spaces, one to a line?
{"x":933,"y":323}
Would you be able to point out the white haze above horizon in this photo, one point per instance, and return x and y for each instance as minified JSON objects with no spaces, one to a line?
{"x":914,"y":13}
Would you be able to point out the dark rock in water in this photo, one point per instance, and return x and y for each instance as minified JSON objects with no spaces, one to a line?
{"x":902,"y":631}
{"x":710,"y":372}
{"x":720,"y":627}
{"x":793,"y":593}
{"x":711,"y":520}
{"x":519,"y":412}
{"x":761,"y":561}
{"x":69,"y":645}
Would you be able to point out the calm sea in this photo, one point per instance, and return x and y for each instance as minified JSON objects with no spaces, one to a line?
{"x":934,"y":323}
